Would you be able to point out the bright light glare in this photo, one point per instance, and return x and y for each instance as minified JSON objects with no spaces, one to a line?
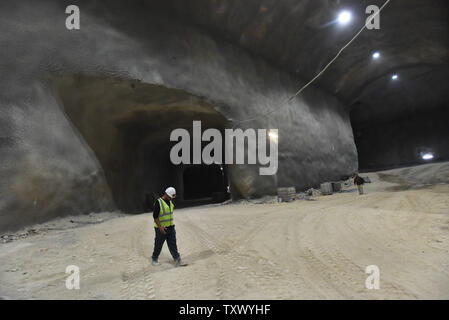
{"x":344,"y":17}
{"x":395,"y":77}
{"x":273,"y":135}
{"x":376,"y":55}
{"x":427,"y":156}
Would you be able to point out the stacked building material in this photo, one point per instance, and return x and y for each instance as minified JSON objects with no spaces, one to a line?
{"x":286,"y":194}
{"x":326,"y":188}
{"x":336,"y":186}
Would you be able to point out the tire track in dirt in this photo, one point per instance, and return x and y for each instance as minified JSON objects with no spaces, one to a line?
{"x":267,"y":277}
{"x":148,"y":281}
{"x":272,"y":276}
{"x":341,"y":273}
{"x":322,"y":270}
{"x":138,"y":282}
{"x":314,"y":253}
{"x":356,"y":275}
{"x":223,"y":272}
{"x":362,"y":237}
{"x":267,"y":274}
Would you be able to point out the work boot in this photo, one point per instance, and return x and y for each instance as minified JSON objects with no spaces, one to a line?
{"x":180,"y":263}
{"x":155,"y":263}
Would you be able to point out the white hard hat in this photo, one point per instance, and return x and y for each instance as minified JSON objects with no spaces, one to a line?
{"x":171,"y":192}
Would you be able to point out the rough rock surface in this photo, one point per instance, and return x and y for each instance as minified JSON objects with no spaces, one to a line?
{"x":50,"y":165}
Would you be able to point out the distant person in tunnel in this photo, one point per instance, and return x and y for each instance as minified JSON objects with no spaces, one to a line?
{"x":359,"y":182}
{"x":164,"y":227}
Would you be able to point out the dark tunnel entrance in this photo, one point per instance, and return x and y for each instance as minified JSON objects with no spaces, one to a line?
{"x":404,"y":141}
{"x":127,"y":125}
{"x":397,"y":123}
{"x":204,"y":182}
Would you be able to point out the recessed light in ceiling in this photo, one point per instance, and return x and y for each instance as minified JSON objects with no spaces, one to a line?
{"x":344,"y":17}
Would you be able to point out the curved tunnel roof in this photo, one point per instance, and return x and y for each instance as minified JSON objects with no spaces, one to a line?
{"x":301,"y":37}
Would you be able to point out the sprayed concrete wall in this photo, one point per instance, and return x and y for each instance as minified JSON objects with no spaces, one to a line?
{"x":47,"y":166}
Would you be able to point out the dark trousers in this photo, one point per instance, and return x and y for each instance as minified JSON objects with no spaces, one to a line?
{"x":159,"y":240}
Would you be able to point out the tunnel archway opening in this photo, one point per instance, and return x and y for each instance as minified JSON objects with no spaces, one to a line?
{"x":384,"y":144}
{"x":127,"y":125}
{"x":205,"y":182}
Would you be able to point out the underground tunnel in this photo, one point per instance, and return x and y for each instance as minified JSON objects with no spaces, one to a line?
{"x":127,"y":125}
{"x":389,"y":137}
{"x":354,"y":105}
{"x":86,"y":113}
{"x":205,"y":181}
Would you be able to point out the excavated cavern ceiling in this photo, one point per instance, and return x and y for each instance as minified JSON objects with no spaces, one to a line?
{"x":302,"y":36}
{"x":299,"y":37}
{"x":295,"y":35}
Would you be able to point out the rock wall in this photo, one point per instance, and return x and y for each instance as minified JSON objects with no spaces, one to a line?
{"x":48,"y":169}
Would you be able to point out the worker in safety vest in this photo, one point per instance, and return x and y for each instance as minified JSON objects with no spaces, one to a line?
{"x":164,"y":227}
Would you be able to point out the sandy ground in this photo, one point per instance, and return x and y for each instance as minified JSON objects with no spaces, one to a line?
{"x":301,"y":250}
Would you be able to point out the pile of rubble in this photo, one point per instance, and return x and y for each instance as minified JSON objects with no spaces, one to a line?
{"x":22,"y":235}
{"x":308,"y":194}
{"x":64,"y":223}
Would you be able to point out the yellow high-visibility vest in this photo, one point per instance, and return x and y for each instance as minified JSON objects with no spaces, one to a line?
{"x":165,"y":214}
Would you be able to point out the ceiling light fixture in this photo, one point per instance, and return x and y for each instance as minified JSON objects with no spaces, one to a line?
{"x":376,"y":55}
{"x":344,"y":17}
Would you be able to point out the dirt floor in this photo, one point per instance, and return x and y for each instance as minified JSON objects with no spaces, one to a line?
{"x":315,"y":249}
